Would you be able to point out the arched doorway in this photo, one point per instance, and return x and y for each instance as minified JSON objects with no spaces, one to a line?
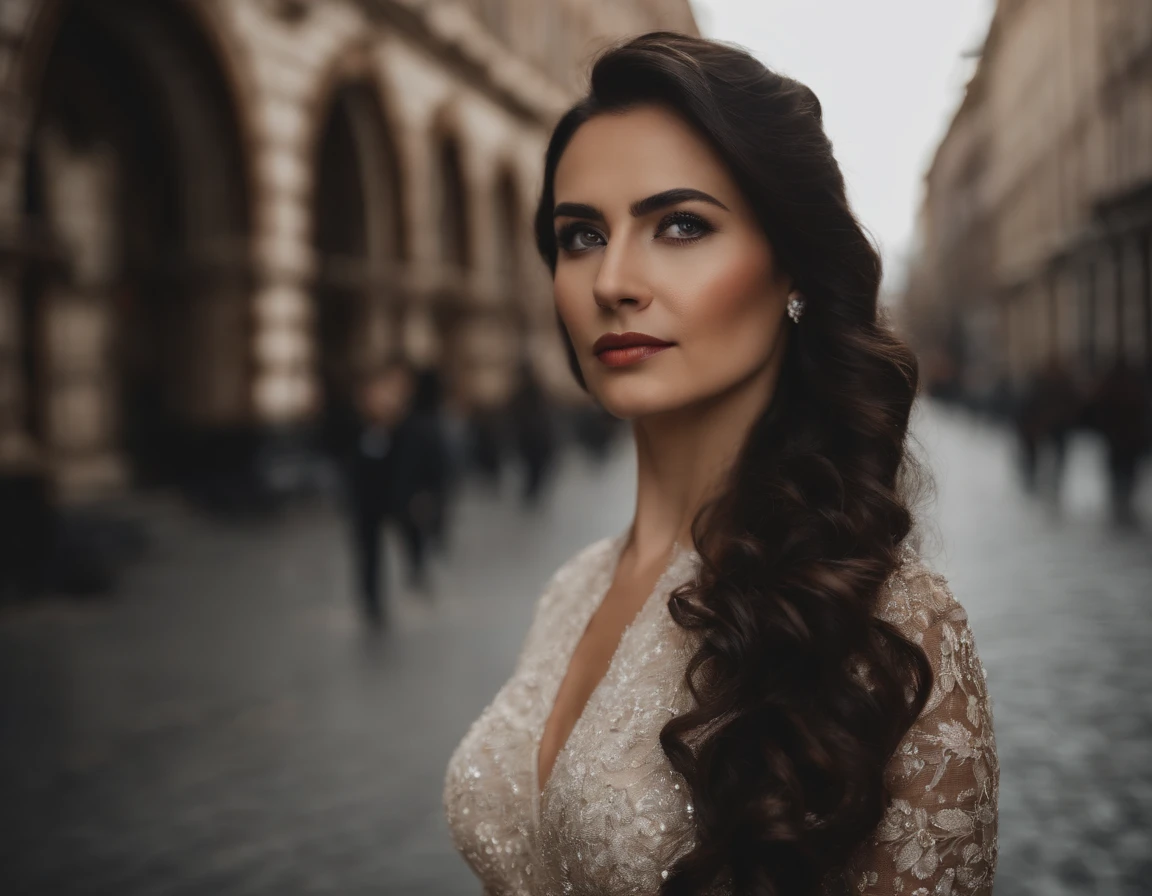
{"x":454,"y":242}
{"x":451,"y":302}
{"x":506,"y":362}
{"x":360,"y":242}
{"x":512,"y":235}
{"x":135,"y":305}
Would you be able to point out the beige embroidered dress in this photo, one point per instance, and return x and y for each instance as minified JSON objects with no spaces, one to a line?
{"x":613,"y":816}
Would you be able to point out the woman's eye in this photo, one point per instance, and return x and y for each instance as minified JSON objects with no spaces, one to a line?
{"x":683,"y":227}
{"x":577,"y":238}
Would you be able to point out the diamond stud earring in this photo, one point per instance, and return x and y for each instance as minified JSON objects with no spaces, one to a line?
{"x":795,"y":306}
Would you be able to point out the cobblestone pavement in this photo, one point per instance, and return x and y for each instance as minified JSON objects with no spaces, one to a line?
{"x":223,"y":726}
{"x":1061,"y":606}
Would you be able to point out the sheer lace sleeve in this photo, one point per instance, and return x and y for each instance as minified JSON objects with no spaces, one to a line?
{"x":938,"y":834}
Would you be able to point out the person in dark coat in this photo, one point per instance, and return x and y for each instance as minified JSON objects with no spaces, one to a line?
{"x":426,"y":514}
{"x":531,"y":416}
{"x":1120,"y":412}
{"x":386,"y":470}
{"x":1046,"y":415}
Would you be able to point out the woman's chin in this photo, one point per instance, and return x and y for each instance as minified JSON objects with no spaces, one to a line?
{"x":634,"y":404}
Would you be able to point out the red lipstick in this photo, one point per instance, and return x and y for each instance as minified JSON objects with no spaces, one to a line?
{"x":622,"y":349}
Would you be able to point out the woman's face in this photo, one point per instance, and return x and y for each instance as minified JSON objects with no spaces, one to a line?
{"x":655,"y":238}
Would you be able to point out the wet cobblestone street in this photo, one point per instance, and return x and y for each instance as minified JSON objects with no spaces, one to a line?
{"x":223,"y":726}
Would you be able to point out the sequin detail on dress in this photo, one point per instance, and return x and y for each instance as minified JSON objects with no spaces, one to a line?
{"x":613,"y":816}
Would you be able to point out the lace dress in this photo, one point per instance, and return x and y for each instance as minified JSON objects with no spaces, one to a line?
{"x":613,"y":815}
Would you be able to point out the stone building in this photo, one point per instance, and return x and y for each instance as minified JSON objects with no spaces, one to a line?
{"x":212,"y":212}
{"x":1037,"y":217}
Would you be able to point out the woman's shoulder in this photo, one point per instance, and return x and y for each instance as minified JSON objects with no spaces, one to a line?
{"x":939,"y":830}
{"x":918,"y":602}
{"x":578,"y":574}
{"x":916,"y":598}
{"x":558,"y":608}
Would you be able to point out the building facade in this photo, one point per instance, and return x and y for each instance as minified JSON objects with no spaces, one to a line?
{"x":1037,"y":218}
{"x":213,"y":213}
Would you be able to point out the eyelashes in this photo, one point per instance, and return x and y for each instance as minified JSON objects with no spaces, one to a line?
{"x":574,"y":237}
{"x":690,"y":228}
{"x":698,"y":226}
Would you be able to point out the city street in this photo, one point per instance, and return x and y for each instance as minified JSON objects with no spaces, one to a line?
{"x":223,"y":725}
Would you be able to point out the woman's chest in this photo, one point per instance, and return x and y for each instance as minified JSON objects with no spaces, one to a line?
{"x":613,"y":813}
{"x":588,"y":666}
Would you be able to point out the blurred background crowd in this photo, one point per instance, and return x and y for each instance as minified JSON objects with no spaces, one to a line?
{"x":271,"y":317}
{"x":1029,"y":296}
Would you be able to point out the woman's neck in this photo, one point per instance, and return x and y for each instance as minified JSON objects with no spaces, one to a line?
{"x":683,"y":457}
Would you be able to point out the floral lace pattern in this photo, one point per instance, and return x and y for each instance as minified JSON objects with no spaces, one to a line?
{"x":613,"y":816}
{"x":938,"y":834}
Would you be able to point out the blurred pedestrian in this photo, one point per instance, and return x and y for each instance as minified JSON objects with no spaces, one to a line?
{"x":430,"y":490}
{"x":486,"y":432}
{"x":384,"y":472}
{"x":29,"y":520}
{"x":1049,"y":409}
{"x":1119,"y":411}
{"x":531,"y":415}
{"x":456,"y":428}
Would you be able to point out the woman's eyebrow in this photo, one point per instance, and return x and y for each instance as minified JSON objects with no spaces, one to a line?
{"x":641,"y":207}
{"x":578,"y":210}
{"x":670,"y":197}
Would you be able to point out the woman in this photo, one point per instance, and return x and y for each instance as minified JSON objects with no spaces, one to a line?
{"x":756,"y":688}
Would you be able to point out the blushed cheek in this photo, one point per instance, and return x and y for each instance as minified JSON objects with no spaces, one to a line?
{"x":735,"y":301}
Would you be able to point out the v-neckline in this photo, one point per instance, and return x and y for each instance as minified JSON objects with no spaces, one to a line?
{"x":611,"y":565}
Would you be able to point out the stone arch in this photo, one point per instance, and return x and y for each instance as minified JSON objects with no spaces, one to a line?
{"x":524,"y":282}
{"x":361,"y":243}
{"x":454,"y":236}
{"x":456,"y":194}
{"x":135,"y":312}
{"x":352,"y":66}
{"x":519,"y":166}
{"x":451,"y":298}
{"x":512,"y":235}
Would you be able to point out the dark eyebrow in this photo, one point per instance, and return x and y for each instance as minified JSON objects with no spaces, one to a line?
{"x":671,"y":197}
{"x":577,"y":210}
{"x":641,"y":207}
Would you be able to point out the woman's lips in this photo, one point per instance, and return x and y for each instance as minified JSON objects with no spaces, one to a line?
{"x":634,"y":354}
{"x":622,"y":349}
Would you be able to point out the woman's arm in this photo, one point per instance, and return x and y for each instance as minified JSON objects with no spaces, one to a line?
{"x":938,"y":834}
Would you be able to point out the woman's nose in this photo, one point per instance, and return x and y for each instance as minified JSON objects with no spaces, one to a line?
{"x":621,"y":279}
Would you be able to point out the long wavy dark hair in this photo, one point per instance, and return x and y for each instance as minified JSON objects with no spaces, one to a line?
{"x":785,"y":750}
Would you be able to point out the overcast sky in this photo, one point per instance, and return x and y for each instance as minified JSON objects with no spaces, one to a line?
{"x":889,"y":75}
